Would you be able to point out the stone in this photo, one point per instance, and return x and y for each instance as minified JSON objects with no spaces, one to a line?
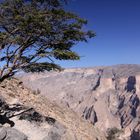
{"x":3,"y":133}
{"x":13,"y":134}
{"x":8,"y":133}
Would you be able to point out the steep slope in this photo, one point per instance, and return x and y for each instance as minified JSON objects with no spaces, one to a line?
{"x":107,"y":97}
{"x":36,"y":118}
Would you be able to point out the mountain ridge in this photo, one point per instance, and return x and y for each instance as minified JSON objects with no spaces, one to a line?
{"x":107,"y":97}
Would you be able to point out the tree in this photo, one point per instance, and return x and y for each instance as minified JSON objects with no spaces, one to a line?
{"x":33,"y":33}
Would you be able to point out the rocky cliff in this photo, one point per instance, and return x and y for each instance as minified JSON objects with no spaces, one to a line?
{"x":107,"y":97}
{"x":27,"y":115}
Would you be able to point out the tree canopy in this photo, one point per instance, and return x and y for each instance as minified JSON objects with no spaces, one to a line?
{"x":33,"y":33}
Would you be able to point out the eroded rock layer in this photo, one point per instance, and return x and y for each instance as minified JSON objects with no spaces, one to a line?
{"x":107,"y":97}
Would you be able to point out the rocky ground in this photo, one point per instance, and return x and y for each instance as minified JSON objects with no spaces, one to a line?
{"x":27,"y":115}
{"x":107,"y":97}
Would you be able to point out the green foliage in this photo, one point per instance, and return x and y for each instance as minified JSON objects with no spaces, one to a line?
{"x":36,"y":30}
{"x":40,"y":67}
{"x":113,"y":133}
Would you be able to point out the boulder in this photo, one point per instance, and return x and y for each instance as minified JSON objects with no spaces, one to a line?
{"x":8,"y":133}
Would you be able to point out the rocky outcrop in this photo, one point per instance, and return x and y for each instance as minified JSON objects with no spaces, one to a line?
{"x":107,"y":97}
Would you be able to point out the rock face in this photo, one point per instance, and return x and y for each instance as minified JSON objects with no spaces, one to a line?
{"x":7,"y":133}
{"x":26,"y":115}
{"x":107,"y":97}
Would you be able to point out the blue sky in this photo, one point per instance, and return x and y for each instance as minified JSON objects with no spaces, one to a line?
{"x":117,"y":25}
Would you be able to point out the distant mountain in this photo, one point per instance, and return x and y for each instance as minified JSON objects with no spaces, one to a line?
{"x":107,"y":97}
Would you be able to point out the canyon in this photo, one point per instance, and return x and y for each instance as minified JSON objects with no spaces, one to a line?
{"x":108,"y":97}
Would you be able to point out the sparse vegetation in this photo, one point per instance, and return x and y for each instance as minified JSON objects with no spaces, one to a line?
{"x":113,"y":133}
{"x":36,"y":92}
